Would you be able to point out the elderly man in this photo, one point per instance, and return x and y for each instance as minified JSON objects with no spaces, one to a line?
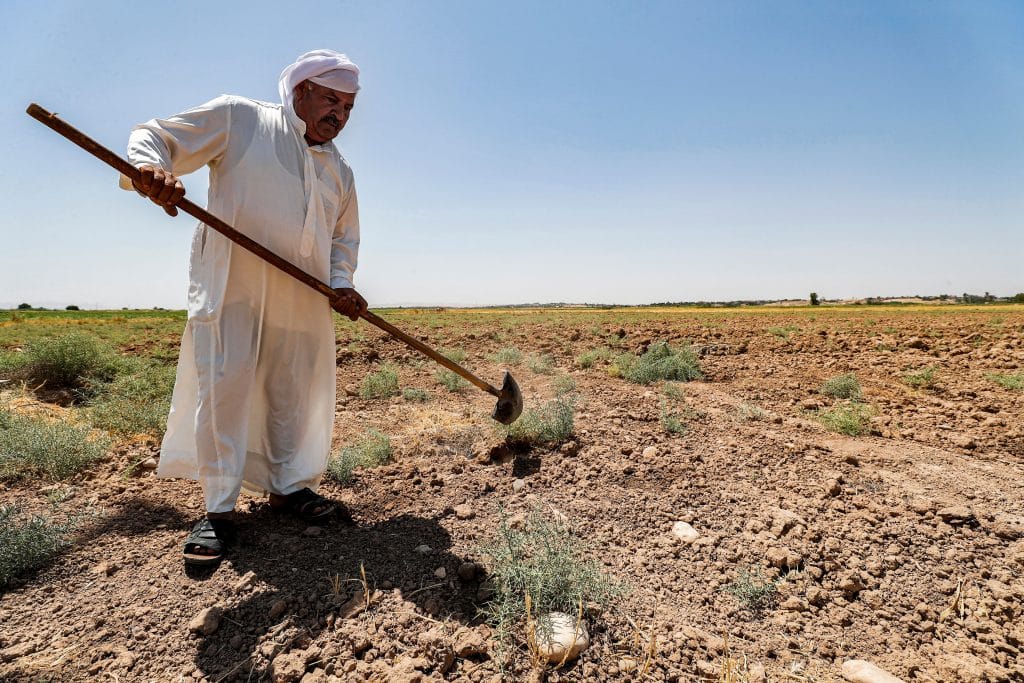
{"x":254,"y":394}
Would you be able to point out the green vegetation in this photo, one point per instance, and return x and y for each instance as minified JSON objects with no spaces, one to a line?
{"x":509,"y":355}
{"x":753,"y":591}
{"x":749,"y":411}
{"x":672,"y":391}
{"x":372,"y":450}
{"x":549,"y":425}
{"x":455,"y":355}
{"x":842,"y":386}
{"x":588,"y":359}
{"x":921,"y":379}
{"x":540,"y":564}
{"x":672,"y":422}
{"x":783,"y":331}
{"x":1014,"y":382}
{"x":26,"y":544}
{"x":136,"y":401}
{"x":68,"y":361}
{"x":563,"y":384}
{"x":850,"y":418}
{"x":660,"y":361}
{"x":35,"y":446}
{"x":380,"y":384}
{"x":451,"y":381}
{"x":542,"y":364}
{"x":415,"y":395}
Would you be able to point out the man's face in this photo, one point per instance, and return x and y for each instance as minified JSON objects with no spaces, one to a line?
{"x":324,"y":111}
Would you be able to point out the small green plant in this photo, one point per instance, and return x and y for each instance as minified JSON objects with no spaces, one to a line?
{"x":563,"y":384}
{"x":588,"y":359}
{"x":542,"y":364}
{"x":136,"y":401}
{"x":380,"y":384}
{"x":672,"y":391}
{"x":509,"y":355}
{"x":372,"y":450}
{"x":26,"y":544}
{"x":549,"y":425}
{"x":921,"y":379}
{"x":672,"y":422}
{"x":751,"y":412}
{"x":456,"y":355}
{"x":753,"y":591}
{"x":68,"y":361}
{"x":842,"y":386}
{"x":34,"y":446}
{"x":540,"y":564}
{"x":660,"y":361}
{"x":784,"y":331}
{"x":1014,"y":382}
{"x":451,"y":381}
{"x":415,"y":395}
{"x":850,"y":418}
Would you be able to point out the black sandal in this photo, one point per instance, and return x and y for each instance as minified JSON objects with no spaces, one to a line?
{"x":208,"y":534}
{"x":303,"y":504}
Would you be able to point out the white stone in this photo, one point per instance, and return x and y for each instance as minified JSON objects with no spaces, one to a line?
{"x":684,"y":532}
{"x":558,"y":637}
{"x":860,"y":671}
{"x":518,"y":485}
{"x":440,"y":572}
{"x":650,"y":452}
{"x":423,"y":549}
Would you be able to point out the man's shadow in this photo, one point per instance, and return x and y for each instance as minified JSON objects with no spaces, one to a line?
{"x":304,"y":585}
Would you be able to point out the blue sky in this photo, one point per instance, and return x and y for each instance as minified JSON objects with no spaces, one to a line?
{"x":625,"y":152}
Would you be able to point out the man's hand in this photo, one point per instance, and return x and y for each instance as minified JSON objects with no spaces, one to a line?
{"x":161,"y":187}
{"x":349,"y":303}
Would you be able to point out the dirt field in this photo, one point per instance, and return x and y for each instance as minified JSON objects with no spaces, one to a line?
{"x":903,"y":546}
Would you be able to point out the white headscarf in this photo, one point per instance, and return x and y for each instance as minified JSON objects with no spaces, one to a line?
{"x":333,"y":70}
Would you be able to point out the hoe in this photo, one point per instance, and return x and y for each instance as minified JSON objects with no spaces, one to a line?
{"x":510,"y":400}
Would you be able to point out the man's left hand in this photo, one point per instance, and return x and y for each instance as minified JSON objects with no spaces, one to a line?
{"x":349,"y":303}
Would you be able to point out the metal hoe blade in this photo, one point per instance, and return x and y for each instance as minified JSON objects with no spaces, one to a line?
{"x":510,"y":402}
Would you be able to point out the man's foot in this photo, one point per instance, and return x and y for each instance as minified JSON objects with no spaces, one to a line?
{"x":310,"y":507}
{"x":208,"y":540}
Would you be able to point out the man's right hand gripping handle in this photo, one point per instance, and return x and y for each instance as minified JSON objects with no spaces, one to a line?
{"x":160,"y":186}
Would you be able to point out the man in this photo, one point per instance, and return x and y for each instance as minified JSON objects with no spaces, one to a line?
{"x":254,"y":394}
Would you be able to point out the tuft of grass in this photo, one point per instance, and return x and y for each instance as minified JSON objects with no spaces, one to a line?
{"x":136,"y":401}
{"x":660,"y":361}
{"x":37,"y":447}
{"x":851,"y":418}
{"x":563,"y":384}
{"x":753,"y":591}
{"x":672,"y":391}
{"x":380,"y":384}
{"x":672,"y":422}
{"x":588,"y":359}
{"x":842,"y":386}
{"x":749,"y":411}
{"x":509,"y":355}
{"x":415,"y":395}
{"x":921,"y":379}
{"x":68,"y":361}
{"x":783,"y":331}
{"x":548,"y":425}
{"x":1014,"y":382}
{"x":27,"y":544}
{"x":451,"y":381}
{"x":542,"y":364}
{"x":456,"y":355}
{"x":537,"y":568}
{"x":372,"y":450}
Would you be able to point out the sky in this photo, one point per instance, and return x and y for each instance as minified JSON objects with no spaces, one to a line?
{"x":587,"y":152}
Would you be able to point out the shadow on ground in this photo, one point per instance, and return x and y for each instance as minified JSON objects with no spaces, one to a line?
{"x":312,"y":577}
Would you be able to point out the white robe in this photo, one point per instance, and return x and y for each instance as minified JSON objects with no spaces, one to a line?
{"x":254,"y":395}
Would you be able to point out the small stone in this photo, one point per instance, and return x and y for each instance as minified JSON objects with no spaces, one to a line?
{"x":278,"y":608}
{"x":423,"y":549}
{"x":649,"y":453}
{"x":1010,"y":527}
{"x":149,"y":464}
{"x":105,"y":568}
{"x":288,"y":666}
{"x":559,"y":638}
{"x":956,"y":515}
{"x":244,"y":582}
{"x":207,"y":621}
{"x":468,"y":571}
{"x":794,"y":604}
{"x":361,"y":643}
{"x":684,"y":532}
{"x":464,"y":511}
{"x":351,"y":390}
{"x":783,"y":558}
{"x":860,"y":671}
{"x":440,"y":572}
{"x":518,"y":485}
{"x":469,"y":643}
{"x":851,"y":582}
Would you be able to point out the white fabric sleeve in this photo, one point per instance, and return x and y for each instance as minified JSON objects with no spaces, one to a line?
{"x":345,"y":246}
{"x":182,"y":143}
